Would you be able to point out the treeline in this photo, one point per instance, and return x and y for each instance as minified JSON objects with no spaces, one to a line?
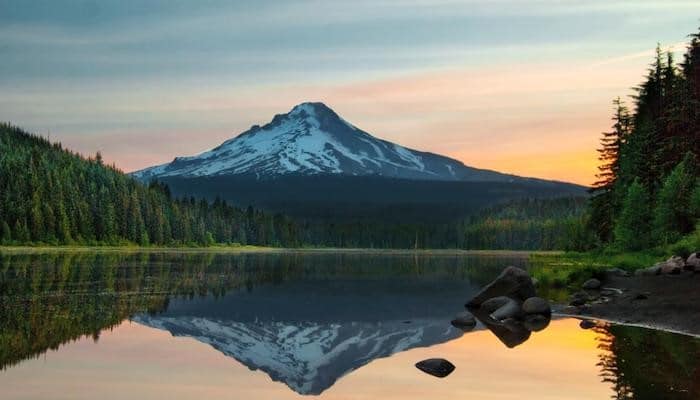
{"x":50,"y":195}
{"x":53,"y":196}
{"x":647,"y":193}
{"x":522,"y":224}
{"x":529,"y":224}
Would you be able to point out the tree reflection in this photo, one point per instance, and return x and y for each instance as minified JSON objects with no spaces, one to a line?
{"x":647,"y":364}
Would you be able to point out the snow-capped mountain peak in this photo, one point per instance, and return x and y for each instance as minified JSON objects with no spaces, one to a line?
{"x":312,"y":139}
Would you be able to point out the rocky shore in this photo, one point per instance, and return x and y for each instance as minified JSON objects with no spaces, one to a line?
{"x":664,"y":296}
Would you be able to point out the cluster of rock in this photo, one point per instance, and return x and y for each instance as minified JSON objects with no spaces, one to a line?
{"x":593,"y":291}
{"x":673,"y":266}
{"x":508,"y":307}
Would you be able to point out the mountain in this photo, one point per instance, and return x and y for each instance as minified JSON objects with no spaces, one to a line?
{"x":312,"y":139}
{"x":312,"y":164}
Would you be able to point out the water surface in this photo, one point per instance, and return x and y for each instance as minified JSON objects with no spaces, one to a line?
{"x":334,"y":326}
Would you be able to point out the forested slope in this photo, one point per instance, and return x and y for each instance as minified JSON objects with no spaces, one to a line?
{"x":647,"y":193}
{"x":54,"y":196}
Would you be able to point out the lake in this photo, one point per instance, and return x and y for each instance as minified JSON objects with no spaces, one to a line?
{"x":189,"y":325}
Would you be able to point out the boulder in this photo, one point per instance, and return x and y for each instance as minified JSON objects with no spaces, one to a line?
{"x":672,"y":266}
{"x":464,"y":321}
{"x":651,"y":271}
{"x":536,"y":305}
{"x":494,"y":304}
{"x":617,"y":272}
{"x":512,"y":282}
{"x":536,"y":322}
{"x":591,"y":284}
{"x":510,"y":309}
{"x":579,"y":298}
{"x":693,"y":262}
{"x":438,"y":367}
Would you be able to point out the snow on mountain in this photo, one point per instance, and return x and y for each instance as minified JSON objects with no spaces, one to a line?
{"x":312,"y":139}
{"x":309,"y":357}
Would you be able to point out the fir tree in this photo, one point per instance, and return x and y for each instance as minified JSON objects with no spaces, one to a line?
{"x":604,"y":201}
{"x":632,"y":229}
{"x":673,"y":215}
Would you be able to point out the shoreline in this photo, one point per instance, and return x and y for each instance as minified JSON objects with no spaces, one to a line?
{"x":669,"y":303}
{"x":270,"y":250}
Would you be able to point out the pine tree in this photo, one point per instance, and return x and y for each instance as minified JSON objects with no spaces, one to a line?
{"x":603,"y":199}
{"x":673,"y":215}
{"x":632,"y":229}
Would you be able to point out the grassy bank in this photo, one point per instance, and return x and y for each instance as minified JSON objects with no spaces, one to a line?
{"x":562,"y":271}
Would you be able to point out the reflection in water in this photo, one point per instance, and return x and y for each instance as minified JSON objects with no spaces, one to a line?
{"x":648,"y":364}
{"x":303,"y":319}
{"x":307,"y":320}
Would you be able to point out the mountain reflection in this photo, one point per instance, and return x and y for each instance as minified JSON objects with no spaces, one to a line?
{"x":304,"y":319}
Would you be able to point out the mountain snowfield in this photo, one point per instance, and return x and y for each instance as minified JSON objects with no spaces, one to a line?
{"x":309,"y":357}
{"x":312,"y":139}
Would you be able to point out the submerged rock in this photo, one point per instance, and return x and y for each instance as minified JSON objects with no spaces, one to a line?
{"x":536,"y":305}
{"x":464,"y":321}
{"x":512,"y":282}
{"x":438,"y":367}
{"x":591,"y":284}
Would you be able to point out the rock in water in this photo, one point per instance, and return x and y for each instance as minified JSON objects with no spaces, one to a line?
{"x":591,"y":284}
{"x":510,"y":309}
{"x":464,"y":321}
{"x":436,"y":367}
{"x":512,"y":282}
{"x":494,"y":304}
{"x":536,"y":305}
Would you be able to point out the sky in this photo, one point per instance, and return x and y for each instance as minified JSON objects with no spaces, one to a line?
{"x":518,"y":86}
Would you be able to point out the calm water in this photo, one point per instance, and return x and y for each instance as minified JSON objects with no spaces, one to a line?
{"x":277,"y":326}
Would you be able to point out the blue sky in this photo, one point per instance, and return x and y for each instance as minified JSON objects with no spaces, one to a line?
{"x":520,"y":86}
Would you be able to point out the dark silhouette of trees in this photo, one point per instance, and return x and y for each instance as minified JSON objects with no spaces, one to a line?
{"x":651,"y":157}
